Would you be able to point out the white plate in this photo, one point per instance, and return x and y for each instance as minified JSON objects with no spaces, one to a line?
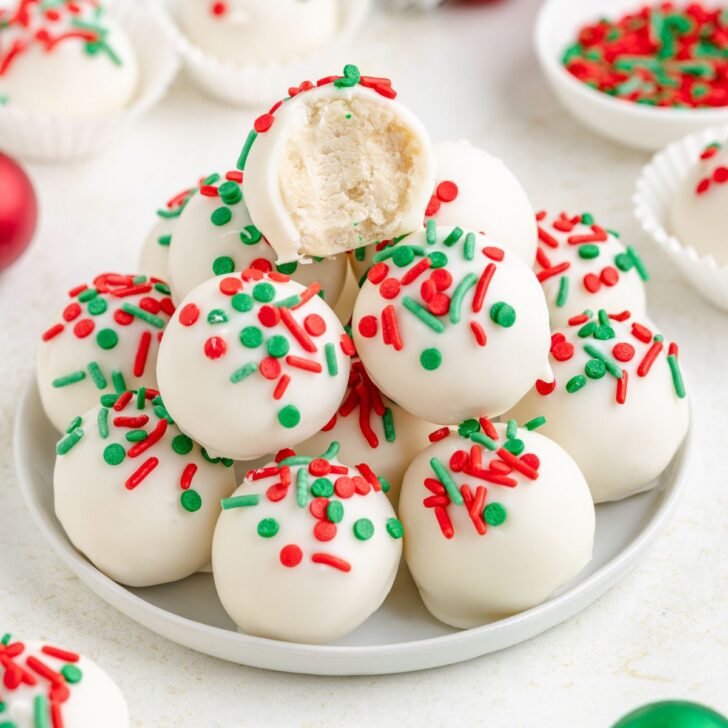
{"x":401,"y":636}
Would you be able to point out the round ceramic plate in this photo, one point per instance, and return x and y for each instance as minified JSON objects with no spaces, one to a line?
{"x":399,"y":637}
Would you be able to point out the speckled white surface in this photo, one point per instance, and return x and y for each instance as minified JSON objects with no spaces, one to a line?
{"x":658,"y":634}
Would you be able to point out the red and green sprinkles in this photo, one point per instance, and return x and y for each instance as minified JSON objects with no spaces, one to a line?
{"x":717,"y":176}
{"x":661,"y":55}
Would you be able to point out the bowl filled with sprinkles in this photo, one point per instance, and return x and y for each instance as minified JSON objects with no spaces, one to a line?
{"x":642,"y":74}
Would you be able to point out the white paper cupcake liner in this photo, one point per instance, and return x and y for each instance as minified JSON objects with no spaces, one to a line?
{"x":57,"y":139}
{"x":260,"y":84}
{"x":655,"y":191}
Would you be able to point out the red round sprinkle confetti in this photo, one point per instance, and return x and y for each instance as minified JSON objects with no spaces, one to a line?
{"x":377,"y":272}
{"x":531,"y":459}
{"x":447,"y":191}
{"x":324,"y":531}
{"x":263,"y":123}
{"x":458,"y":460}
{"x":218,"y":8}
{"x":609,"y":276}
{"x":720,"y":175}
{"x":318,"y":507}
{"x":441,"y":278}
{"x":269,"y":315}
{"x":703,"y":186}
{"x":71,"y":312}
{"x":428,"y":290}
{"x":270,"y":368}
{"x":433,"y":206}
{"x":361,"y":485}
{"x":167,"y":305}
{"x":389,"y":288}
{"x":368,"y":326}
{"x":562,"y":351}
{"x":189,"y":314}
{"x":122,"y":317}
{"x":262,"y":264}
{"x":314,"y":324}
{"x":291,"y":555}
{"x":493,"y":253}
{"x":623,"y":352}
{"x":215,"y":347}
{"x":319,"y":466}
{"x":287,"y":452}
{"x":544,"y":388}
{"x":592,"y":283}
{"x":344,"y":487}
{"x":439,"y":304}
{"x":230,"y":286}
{"x":147,"y":303}
{"x":83,"y":328}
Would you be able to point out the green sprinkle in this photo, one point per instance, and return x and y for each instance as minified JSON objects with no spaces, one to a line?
{"x":403,"y":256}
{"x":289,"y":416}
{"x":222,"y":265}
{"x":484,"y":440}
{"x":612,"y":367}
{"x":351,"y":77}
{"x":575,"y":383}
{"x":69,"y":379}
{"x":264,"y":292}
{"x":457,"y":297}
{"x":242,"y":302}
{"x":322,"y":488}
{"x":335,"y":511}
{"x":72,"y":674}
{"x":331,"y":363}
{"x":136,"y":435}
{"x":289,"y":302}
{"x":117,"y":379}
{"x":446,"y":479}
{"x":423,"y":314}
{"x":141,"y":398}
{"x":221,"y":216}
{"x":595,"y":369}
{"x":97,"y":307}
{"x":164,"y":240}
{"x":287,"y":268}
{"x":140,"y":313}
{"x":587,"y":218}
{"x":438,"y":259}
{"x":386,"y":487}
{"x":69,"y":441}
{"x":431,"y":232}
{"x":296,"y":460}
{"x":243,"y":158}
{"x":677,"y":380}
{"x":453,"y":236}
{"x":251,"y":336}
{"x":535,"y":423}
{"x":230,"y":192}
{"x":469,"y":246}
{"x":332,"y":452}
{"x":239,"y":501}
{"x":114,"y":454}
{"x":182,"y":444}
{"x":363,"y":529}
{"x":515,"y":446}
{"x":430,"y":359}
{"x":302,"y":487}
{"x":494,"y":514}
{"x":268,"y":527}
{"x":191,"y":501}
{"x":97,"y":375}
{"x":40,"y":712}
{"x":250,"y":235}
{"x":75,"y":422}
{"x":245,"y":371}
{"x":638,"y":264}
{"x":277,"y":346}
{"x":88,"y":295}
{"x":7,"y":637}
{"x":394,"y":528}
{"x":587,"y":330}
{"x":108,"y":400}
{"x":217,"y":316}
{"x":102,"y":422}
{"x":563,"y":293}
{"x":503,"y":314}
{"x":360,"y":254}
{"x":588,"y":252}
{"x":467,"y":427}
{"x":388,"y":423}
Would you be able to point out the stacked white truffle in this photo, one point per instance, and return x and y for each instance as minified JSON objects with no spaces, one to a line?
{"x":469,"y":306}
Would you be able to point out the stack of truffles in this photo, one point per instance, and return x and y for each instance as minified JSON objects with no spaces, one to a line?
{"x":496,"y":376}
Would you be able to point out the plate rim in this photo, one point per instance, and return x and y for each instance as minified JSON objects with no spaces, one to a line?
{"x":341,"y":659}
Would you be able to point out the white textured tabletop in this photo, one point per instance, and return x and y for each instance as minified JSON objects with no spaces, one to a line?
{"x":660,"y":633}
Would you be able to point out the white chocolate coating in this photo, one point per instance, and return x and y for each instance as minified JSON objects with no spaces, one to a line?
{"x":545,"y":540}
{"x":99,"y":505}
{"x":374,"y":430}
{"x":620,"y":448}
{"x":88,"y":700}
{"x":306,"y":602}
{"x":243,"y":32}
{"x":64,"y":78}
{"x":339,"y":167}
{"x":75,"y":348}
{"x":203,"y":249}
{"x":598,"y":273}
{"x":243,"y":400}
{"x":466,"y":378}
{"x":698,"y":218}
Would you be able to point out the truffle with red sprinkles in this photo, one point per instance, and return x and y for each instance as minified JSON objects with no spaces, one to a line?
{"x":617,"y":403}
{"x":246,"y":32}
{"x":372,"y":429}
{"x":65,"y":58}
{"x":451,"y":326}
{"x":497,"y":518}
{"x":252,"y":362}
{"x":335,"y":165}
{"x":215,"y":235}
{"x":306,"y":548}
{"x":48,"y":686}
{"x":105,"y":340}
{"x":129,"y":484}
{"x":582,"y":265}
{"x":698,"y":212}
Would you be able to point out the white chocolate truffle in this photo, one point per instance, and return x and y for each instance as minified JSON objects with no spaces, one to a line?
{"x":215,"y":235}
{"x":243,"y":32}
{"x":125,"y":468}
{"x":106,"y":340}
{"x":374,"y":430}
{"x":697,"y":214}
{"x":306,"y":549}
{"x":69,"y":60}
{"x":583,"y":266}
{"x":45,"y":685}
{"x":495,"y":528}
{"x":617,"y":403}
{"x":450,"y":326}
{"x":253,"y":362}
{"x":336,"y":166}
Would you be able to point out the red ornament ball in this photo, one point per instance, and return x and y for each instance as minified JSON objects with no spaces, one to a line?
{"x":18,"y":211}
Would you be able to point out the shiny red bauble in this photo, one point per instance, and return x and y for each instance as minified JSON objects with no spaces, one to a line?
{"x":18,"y":211}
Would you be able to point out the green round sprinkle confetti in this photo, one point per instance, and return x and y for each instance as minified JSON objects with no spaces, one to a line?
{"x":623,"y":262}
{"x":217,"y":316}
{"x":430,"y":359}
{"x":72,"y":674}
{"x":322,"y":487}
{"x":264,"y":292}
{"x":403,"y":256}
{"x":191,"y":501}
{"x":251,"y":336}
{"x":289,"y":416}
{"x":107,"y":338}
{"x":97,"y":306}
{"x":503,"y":314}
{"x":468,"y":427}
{"x":335,"y":511}
{"x":268,"y":527}
{"x":494,"y":514}
{"x":182,"y":444}
{"x":437,"y":259}
{"x":588,"y":251}
{"x":136,"y":435}
{"x":277,"y":346}
{"x":288,"y":269}
{"x":114,"y":454}
{"x":575,"y":383}
{"x":603,"y":333}
{"x":394,"y":528}
{"x":242,"y":302}
{"x":515,"y":446}
{"x":595,"y":369}
{"x":221,"y":216}
{"x":222,"y":265}
{"x":230,"y":192}
{"x":363,"y":529}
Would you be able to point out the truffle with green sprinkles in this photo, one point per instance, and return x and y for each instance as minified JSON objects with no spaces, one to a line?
{"x":450,"y":325}
{"x":617,"y":400}
{"x":105,"y":339}
{"x":253,"y":360}
{"x":46,"y":685}
{"x":584,"y":265}
{"x":125,"y":461}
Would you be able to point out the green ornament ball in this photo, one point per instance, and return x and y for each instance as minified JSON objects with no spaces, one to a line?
{"x":673,"y":714}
